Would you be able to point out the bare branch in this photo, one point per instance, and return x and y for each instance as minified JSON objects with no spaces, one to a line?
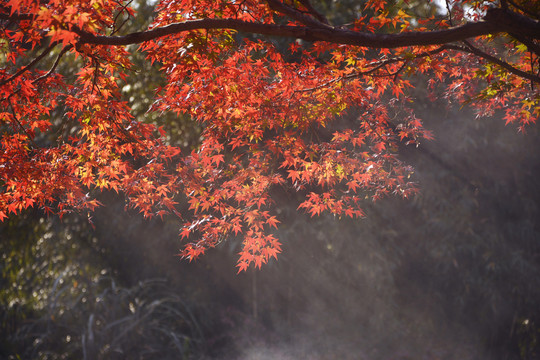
{"x":51,"y":70}
{"x":44,"y":76}
{"x":120,"y":12}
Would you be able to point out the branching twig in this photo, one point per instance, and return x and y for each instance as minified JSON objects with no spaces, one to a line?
{"x":124,"y":7}
{"x":44,"y":76}
{"x":396,"y":73}
{"x":474,"y":50}
{"x":29,"y":66}
{"x":376,"y":66}
{"x":449,"y":13}
{"x":53,"y":67}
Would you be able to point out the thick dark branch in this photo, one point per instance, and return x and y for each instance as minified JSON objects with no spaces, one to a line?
{"x":512,"y":22}
{"x":333,"y":35}
{"x":497,"y":21}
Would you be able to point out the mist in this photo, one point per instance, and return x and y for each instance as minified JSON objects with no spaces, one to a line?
{"x":452,"y":273}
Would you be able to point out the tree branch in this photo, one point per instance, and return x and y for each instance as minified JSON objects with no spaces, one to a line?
{"x":44,"y":76}
{"x":377,"y":65}
{"x":4,"y":15}
{"x":29,"y":66}
{"x":497,"y":21}
{"x":51,"y":70}
{"x":339,"y":36}
{"x":474,"y":50}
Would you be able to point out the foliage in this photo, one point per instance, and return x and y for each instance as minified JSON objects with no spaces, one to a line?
{"x":268,"y":120}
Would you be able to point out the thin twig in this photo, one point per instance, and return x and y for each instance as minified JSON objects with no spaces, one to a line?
{"x":124,"y":7}
{"x":449,"y":13}
{"x":53,"y":67}
{"x":400,"y":69}
{"x":96,"y":64}
{"x":532,"y":67}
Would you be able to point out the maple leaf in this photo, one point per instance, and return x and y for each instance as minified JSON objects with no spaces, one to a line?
{"x":353,"y":185}
{"x":217,"y":159}
{"x":242,"y":266}
{"x":272,"y":221}
{"x":66,"y":37}
{"x":293,"y":175}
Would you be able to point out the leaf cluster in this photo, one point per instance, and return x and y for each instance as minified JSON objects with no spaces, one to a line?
{"x":263,"y":121}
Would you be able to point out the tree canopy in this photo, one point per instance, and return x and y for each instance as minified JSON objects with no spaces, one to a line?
{"x":288,"y":100}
